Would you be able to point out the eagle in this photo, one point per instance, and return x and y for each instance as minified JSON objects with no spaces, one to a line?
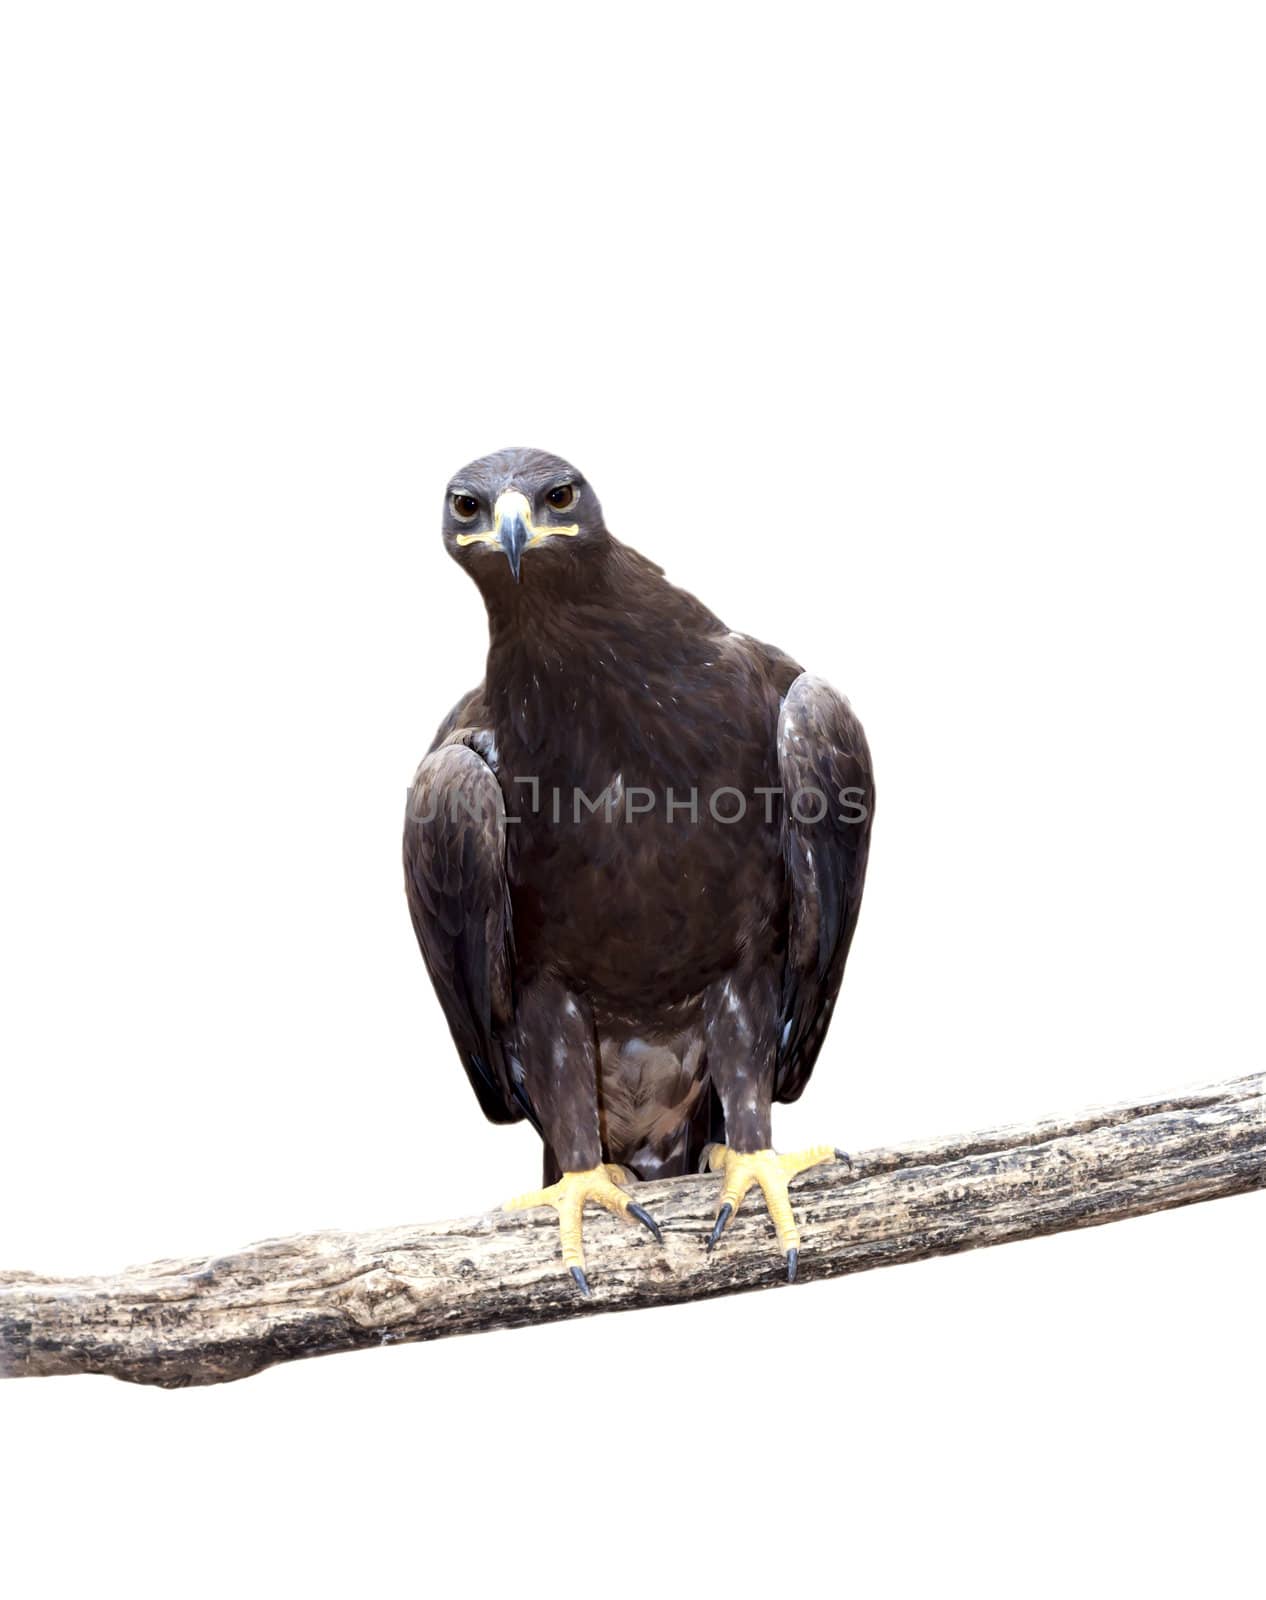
{"x":634,"y":859}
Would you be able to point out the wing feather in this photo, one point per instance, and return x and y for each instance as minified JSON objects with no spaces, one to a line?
{"x":455,"y":882}
{"x":823,"y":760}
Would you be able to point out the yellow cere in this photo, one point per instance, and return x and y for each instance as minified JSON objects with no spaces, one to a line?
{"x":511,"y":505}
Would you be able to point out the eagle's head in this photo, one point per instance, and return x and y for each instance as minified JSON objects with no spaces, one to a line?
{"x":509,"y":513}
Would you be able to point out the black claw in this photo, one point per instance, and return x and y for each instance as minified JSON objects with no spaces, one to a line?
{"x":843,"y":1155}
{"x":647,"y":1221}
{"x":579,"y":1274}
{"x":793,"y":1261}
{"x":723,"y":1216}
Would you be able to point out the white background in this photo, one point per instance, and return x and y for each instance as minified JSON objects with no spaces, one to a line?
{"x":926,"y":341}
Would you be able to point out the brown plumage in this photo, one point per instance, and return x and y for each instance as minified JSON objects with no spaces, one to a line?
{"x":643,"y":978}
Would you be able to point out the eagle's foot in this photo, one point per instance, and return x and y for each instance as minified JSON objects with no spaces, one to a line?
{"x":773,"y":1172}
{"x":568,"y":1197}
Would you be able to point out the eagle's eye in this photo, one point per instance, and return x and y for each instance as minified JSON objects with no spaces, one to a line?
{"x":465,"y":507}
{"x":562,"y":497}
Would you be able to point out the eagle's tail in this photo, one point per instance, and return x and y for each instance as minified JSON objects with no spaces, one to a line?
{"x":706,"y":1126}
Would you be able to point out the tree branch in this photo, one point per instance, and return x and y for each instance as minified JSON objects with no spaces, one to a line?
{"x":192,"y":1322}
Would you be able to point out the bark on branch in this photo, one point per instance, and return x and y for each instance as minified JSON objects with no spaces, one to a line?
{"x":176,"y":1323}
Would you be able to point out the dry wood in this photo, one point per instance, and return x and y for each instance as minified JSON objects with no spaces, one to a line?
{"x":176,"y":1323}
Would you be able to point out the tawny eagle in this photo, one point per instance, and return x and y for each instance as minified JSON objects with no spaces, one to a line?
{"x":634,"y":859}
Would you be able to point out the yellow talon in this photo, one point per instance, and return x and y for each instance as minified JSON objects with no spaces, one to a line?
{"x":568,"y":1197}
{"x":773,"y":1173}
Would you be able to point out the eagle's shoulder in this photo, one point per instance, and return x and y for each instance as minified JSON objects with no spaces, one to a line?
{"x":470,"y":712}
{"x":766,"y":664}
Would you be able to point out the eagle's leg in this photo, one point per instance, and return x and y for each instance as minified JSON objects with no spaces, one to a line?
{"x":742,"y":1030}
{"x":599,"y":1184}
{"x":558,"y":1059}
{"x":773,"y":1173}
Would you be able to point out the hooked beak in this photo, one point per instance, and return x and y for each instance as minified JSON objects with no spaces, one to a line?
{"x":511,"y":522}
{"x":513,"y":530}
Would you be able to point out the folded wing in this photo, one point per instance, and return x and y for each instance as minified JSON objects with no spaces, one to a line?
{"x":455,"y":880}
{"x":828,"y":798}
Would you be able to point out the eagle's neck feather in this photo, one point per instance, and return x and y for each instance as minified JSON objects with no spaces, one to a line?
{"x":593,"y":642}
